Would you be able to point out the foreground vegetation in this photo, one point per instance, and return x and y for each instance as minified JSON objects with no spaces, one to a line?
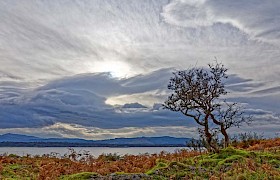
{"x":259,"y":159}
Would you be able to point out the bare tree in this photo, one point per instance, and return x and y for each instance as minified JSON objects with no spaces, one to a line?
{"x":229,"y":115}
{"x":196,"y":93}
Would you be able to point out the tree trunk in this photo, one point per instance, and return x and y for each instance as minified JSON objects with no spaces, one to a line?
{"x":223,"y":131}
{"x":226,"y":140}
{"x":209,"y":139}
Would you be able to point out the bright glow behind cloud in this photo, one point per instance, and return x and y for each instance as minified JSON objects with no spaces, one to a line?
{"x":45,"y":45}
{"x":46,"y":40}
{"x":115,"y":68}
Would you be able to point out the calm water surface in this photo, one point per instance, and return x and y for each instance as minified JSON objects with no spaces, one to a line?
{"x":95,"y":151}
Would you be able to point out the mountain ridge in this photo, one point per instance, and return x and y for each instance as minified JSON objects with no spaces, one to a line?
{"x":10,"y":139}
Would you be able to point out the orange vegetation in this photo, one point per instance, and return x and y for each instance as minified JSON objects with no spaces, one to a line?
{"x":48,"y":167}
{"x":264,"y":144}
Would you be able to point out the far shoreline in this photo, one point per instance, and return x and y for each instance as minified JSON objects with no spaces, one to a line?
{"x":56,"y":144}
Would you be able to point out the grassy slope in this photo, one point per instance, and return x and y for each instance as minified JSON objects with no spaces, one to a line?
{"x":230,"y":163}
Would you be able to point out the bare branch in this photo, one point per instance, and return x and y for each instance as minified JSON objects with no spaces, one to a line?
{"x":196,"y":93}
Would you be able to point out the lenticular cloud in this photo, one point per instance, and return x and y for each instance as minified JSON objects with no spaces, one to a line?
{"x":80,"y":62}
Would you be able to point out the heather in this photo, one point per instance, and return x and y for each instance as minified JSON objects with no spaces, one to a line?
{"x":250,"y":159}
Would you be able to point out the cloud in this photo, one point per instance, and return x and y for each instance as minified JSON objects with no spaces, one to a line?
{"x":83,"y":100}
{"x":192,"y":13}
{"x":42,"y":41}
{"x":53,"y":54}
{"x":94,"y":133}
{"x":133,"y":106}
{"x":267,"y":91}
{"x":258,"y":19}
{"x":146,"y":98}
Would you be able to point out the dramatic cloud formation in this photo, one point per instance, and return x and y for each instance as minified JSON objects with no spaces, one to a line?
{"x":99,"y":68}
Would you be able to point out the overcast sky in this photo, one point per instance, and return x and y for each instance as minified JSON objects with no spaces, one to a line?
{"x":67,"y":67}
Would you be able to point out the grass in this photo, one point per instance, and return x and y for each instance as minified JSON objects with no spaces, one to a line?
{"x":230,"y":163}
{"x":18,"y":172}
{"x":159,"y":165}
{"x":79,"y":176}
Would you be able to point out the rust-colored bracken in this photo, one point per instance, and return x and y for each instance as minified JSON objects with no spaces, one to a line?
{"x":49,"y":167}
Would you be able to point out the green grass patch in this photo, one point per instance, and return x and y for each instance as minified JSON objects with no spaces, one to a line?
{"x":207,"y":165}
{"x":225,"y":153}
{"x":275,"y":163}
{"x":232,"y":159}
{"x":208,"y":162}
{"x":160,"y":165}
{"x":248,"y":175}
{"x":79,"y":176}
{"x":18,"y":172}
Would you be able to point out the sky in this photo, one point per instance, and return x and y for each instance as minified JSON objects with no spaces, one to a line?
{"x":99,"y":69}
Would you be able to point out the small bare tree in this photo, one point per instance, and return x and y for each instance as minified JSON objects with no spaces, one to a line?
{"x":229,"y":115}
{"x":196,"y":93}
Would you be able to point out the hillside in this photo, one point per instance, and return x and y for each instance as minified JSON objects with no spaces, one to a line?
{"x":230,"y":163}
{"x":30,"y":141}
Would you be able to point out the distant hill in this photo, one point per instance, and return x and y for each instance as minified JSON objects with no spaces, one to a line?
{"x":24,"y":138}
{"x":30,"y":141}
{"x":147,"y":141}
{"x":17,"y":138}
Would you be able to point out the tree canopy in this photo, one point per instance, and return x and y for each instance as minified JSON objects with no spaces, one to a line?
{"x":198,"y":94}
